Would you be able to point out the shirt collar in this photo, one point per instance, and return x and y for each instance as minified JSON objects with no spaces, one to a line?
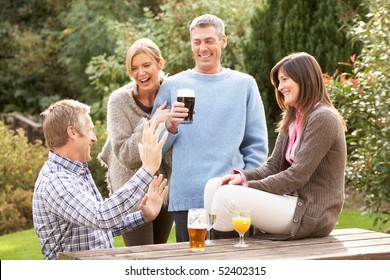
{"x":68,"y":164}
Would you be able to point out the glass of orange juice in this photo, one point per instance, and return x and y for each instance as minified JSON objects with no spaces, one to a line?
{"x":241,"y":222}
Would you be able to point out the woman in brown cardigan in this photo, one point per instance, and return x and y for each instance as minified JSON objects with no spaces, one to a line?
{"x":299,"y":192}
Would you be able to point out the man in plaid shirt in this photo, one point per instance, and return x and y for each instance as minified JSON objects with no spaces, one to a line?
{"x":69,"y":213}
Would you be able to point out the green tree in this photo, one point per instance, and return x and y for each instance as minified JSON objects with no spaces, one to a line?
{"x":20,"y":163}
{"x":46,"y":45}
{"x":87,"y":35}
{"x":363,"y":95}
{"x":30,"y":78}
{"x":284,"y":26}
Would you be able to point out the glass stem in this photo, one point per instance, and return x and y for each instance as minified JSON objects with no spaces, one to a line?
{"x":242,"y":239}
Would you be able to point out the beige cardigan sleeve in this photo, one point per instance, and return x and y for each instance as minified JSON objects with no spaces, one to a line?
{"x":125,"y":126}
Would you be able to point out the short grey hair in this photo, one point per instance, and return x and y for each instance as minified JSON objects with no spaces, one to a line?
{"x":207,"y":20}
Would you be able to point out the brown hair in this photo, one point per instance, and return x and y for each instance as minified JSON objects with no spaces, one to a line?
{"x":58,"y":117}
{"x":306,"y":72}
{"x":148,"y":47}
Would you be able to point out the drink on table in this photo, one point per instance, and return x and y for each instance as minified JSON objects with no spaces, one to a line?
{"x":212,"y":217}
{"x":197,"y":228}
{"x":197,"y":238}
{"x":241,"y":223}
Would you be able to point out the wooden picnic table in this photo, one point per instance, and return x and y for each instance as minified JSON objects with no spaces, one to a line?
{"x":347,"y":244}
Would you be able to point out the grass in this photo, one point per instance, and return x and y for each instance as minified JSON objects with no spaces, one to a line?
{"x":354,"y":219}
{"x":24,"y":245}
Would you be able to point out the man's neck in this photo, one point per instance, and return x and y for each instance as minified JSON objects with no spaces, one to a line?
{"x":65,"y":152}
{"x":210,"y":71}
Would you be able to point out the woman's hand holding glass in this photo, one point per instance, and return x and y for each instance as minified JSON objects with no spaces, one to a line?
{"x":161,"y":114}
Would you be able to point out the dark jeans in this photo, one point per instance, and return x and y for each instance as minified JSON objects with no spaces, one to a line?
{"x":180,"y":218}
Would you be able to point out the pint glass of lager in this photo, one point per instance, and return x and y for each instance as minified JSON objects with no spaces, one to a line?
{"x":187,"y":96}
{"x":197,"y":228}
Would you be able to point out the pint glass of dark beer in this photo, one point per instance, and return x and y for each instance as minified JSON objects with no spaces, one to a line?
{"x":187,"y":96}
{"x":197,"y":228}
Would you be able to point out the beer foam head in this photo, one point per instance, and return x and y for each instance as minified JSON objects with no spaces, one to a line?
{"x":185,"y":92}
{"x":198,"y":226}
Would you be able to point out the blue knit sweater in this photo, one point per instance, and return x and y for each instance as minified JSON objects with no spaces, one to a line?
{"x":229,"y":131}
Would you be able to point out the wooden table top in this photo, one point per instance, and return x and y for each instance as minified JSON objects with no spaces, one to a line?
{"x":341,"y":244}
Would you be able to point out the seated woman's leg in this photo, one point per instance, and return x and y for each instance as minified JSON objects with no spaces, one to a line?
{"x":209,"y":191}
{"x":269,"y":212}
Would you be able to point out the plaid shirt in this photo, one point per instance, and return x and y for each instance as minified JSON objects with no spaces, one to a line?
{"x":70,"y":214}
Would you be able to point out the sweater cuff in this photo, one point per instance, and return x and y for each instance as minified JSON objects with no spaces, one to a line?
{"x":166,"y":129}
{"x":244,"y":181}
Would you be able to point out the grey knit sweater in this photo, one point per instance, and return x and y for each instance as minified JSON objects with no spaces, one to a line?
{"x":125,"y":122}
{"x":317,"y":174}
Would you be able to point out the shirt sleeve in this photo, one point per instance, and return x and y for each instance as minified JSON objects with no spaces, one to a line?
{"x":76,"y":199}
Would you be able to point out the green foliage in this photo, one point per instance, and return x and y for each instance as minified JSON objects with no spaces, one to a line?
{"x":106,"y":74}
{"x":47,"y":44}
{"x":15,"y":209}
{"x":87,"y":36}
{"x":29,"y":76}
{"x":284,"y":26}
{"x":20,"y":163}
{"x":363,"y":96}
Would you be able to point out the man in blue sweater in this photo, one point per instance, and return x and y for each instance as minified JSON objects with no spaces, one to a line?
{"x":229,"y":129}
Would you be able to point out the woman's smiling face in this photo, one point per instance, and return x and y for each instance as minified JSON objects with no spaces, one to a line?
{"x":145,"y":72}
{"x":289,"y":88}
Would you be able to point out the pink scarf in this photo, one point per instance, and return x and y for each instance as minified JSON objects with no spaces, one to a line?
{"x":294,"y":133}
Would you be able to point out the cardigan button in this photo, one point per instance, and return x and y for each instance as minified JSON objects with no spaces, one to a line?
{"x":300,"y":203}
{"x":295,"y":220}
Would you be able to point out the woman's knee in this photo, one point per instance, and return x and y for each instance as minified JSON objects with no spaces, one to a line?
{"x":225,"y":195}
{"x":209,"y":191}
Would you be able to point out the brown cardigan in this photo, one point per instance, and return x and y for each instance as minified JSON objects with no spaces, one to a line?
{"x":317,"y":175}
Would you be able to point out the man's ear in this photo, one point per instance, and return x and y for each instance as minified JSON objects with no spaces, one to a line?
{"x":224,"y":41}
{"x":71,"y":132}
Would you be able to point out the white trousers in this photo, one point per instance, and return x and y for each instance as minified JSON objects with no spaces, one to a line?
{"x":270,"y":213}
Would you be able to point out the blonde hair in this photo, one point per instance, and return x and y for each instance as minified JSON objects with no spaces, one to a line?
{"x":306,"y":72}
{"x":58,"y":117}
{"x":148,"y":47}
